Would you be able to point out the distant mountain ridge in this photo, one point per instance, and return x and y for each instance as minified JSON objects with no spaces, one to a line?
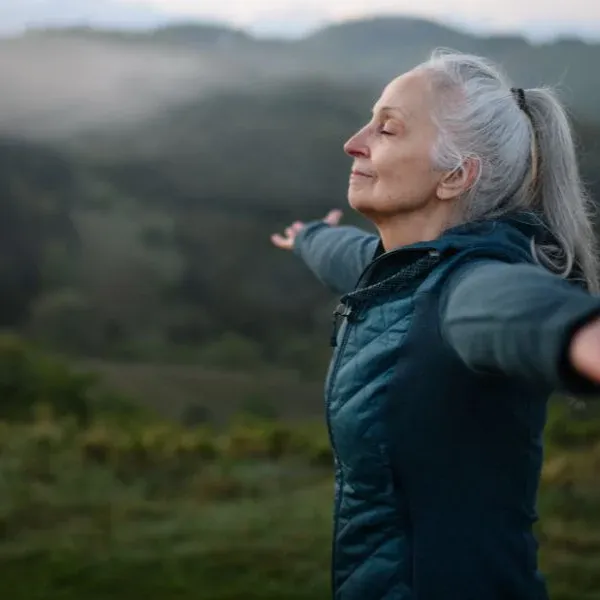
{"x":369,"y":51}
{"x":343,"y":31}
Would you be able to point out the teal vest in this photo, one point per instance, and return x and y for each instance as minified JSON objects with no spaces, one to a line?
{"x":436,"y":466}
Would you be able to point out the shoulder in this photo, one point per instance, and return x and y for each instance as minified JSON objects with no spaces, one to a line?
{"x":464,"y":265}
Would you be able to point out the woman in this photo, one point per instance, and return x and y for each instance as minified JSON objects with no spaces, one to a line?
{"x":456,"y":323}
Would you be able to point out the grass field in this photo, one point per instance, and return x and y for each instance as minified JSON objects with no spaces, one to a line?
{"x":167,"y":513}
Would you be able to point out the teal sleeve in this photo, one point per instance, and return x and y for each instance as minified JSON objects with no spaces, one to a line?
{"x":336,"y":255}
{"x":517,"y":320}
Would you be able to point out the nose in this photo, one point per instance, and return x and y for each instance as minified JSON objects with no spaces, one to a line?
{"x":357,"y":146}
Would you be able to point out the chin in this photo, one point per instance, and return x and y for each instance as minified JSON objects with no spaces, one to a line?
{"x":358,"y":200}
{"x":362,"y":203}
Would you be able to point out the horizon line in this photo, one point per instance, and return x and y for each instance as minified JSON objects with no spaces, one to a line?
{"x":269,"y":32}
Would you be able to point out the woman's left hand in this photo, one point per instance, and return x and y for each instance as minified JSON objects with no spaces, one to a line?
{"x":584,"y":351}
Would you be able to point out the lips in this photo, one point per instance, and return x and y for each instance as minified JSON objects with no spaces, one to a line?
{"x":359,"y":173}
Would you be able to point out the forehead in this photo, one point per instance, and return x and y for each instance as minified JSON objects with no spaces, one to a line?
{"x":408,"y":93}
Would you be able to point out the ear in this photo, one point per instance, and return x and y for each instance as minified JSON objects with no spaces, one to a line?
{"x":455,"y":183}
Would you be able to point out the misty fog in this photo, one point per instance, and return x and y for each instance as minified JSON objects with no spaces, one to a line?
{"x":59,"y":86}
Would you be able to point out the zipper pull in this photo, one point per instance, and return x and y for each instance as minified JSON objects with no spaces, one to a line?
{"x":342,"y":310}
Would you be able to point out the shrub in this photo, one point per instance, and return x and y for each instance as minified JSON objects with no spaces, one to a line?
{"x":29,"y":378}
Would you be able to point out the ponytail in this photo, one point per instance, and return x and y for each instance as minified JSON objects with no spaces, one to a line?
{"x":557,"y":191}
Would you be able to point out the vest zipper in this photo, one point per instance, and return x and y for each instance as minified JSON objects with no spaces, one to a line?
{"x":346,"y":312}
{"x":341,"y":311}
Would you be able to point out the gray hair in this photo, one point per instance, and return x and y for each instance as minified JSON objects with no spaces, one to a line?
{"x":526,"y":158}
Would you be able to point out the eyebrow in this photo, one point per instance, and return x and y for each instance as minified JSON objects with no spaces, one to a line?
{"x":395,"y":109}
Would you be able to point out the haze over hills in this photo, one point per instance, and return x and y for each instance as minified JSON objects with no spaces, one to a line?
{"x":61,"y":80}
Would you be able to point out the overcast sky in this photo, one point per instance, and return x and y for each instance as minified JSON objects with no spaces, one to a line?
{"x":537,"y":18}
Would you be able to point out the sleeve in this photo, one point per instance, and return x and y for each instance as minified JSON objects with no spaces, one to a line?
{"x":517,"y":320}
{"x":336,"y":255}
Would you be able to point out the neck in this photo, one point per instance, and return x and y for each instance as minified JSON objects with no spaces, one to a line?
{"x":410,"y":228}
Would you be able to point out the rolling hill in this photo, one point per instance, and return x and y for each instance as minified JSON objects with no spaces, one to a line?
{"x":186,"y":146}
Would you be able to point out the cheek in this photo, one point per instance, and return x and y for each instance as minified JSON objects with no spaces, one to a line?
{"x":412,"y":165}
{"x":407,"y":179}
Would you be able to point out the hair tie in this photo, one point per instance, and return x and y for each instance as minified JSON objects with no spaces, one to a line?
{"x":519,"y":94}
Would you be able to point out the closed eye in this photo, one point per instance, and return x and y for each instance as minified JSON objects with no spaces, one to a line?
{"x":387,"y":127}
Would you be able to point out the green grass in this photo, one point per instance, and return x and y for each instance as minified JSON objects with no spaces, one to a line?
{"x":117,"y":512}
{"x":160,"y":512}
{"x":269,"y":548}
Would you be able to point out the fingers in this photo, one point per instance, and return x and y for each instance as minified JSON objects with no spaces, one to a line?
{"x":333,"y":217}
{"x":293,"y":229}
{"x":285,"y":243}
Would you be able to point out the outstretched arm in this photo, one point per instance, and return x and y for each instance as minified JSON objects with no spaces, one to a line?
{"x":337,"y":255}
{"x":523,"y":321}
